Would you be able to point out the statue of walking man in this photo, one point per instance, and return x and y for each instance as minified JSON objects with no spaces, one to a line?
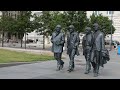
{"x":58,"y":40}
{"x":73,"y":42}
{"x":99,"y":54}
{"x":87,"y":47}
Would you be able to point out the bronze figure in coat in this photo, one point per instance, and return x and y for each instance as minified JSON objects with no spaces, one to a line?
{"x":87,"y":47}
{"x":73,"y":42}
{"x":58,"y":40}
{"x":98,"y":50}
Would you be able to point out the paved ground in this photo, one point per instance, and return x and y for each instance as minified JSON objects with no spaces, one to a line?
{"x":32,"y":46}
{"x":47,"y":70}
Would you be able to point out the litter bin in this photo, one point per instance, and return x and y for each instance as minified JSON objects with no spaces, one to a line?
{"x":118,"y":50}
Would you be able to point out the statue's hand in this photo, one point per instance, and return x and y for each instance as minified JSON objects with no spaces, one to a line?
{"x":52,"y":41}
{"x":57,"y":43}
{"x":74,"y":47}
{"x":76,"y":44}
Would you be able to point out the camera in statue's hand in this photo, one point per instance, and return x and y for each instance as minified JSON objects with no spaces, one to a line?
{"x":88,"y":48}
{"x":76,"y":44}
{"x":57,"y":42}
{"x":73,"y":45}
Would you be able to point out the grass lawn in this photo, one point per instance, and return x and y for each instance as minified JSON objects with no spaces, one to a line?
{"x":7,"y":56}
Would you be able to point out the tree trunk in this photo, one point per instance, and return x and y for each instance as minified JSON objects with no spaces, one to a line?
{"x":17,"y":36}
{"x":48,"y":41}
{"x":25,"y":40}
{"x":43,"y":41}
{"x":21,"y":40}
{"x":2,"y":38}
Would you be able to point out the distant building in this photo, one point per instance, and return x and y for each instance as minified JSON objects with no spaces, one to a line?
{"x":12,"y":14}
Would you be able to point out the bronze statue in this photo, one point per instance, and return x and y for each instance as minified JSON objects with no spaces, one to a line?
{"x":73,"y":42}
{"x":99,"y":55}
{"x":87,"y":47}
{"x":58,"y":40}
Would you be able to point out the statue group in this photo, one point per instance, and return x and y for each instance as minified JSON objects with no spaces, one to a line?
{"x":93,"y":44}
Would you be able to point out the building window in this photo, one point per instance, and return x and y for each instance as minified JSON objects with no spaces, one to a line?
{"x":6,"y":13}
{"x":18,"y":12}
{"x":96,"y":12}
{"x":110,"y":12}
{"x":9,"y":14}
{"x":15,"y":16}
{"x":107,"y":12}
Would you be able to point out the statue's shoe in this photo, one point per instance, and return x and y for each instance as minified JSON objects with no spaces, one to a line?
{"x":61,"y":67}
{"x":58,"y":68}
{"x":95,"y":74}
{"x":70,"y":70}
{"x":86,"y":72}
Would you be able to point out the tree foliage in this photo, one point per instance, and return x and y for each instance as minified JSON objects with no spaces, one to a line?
{"x":46,"y":22}
{"x":77,"y":18}
{"x":49,"y":19}
{"x":104,"y":22}
{"x":21,"y":24}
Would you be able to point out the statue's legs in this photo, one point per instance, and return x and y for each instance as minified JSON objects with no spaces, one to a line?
{"x":60,"y":63}
{"x":88,"y":65}
{"x":97,"y":61}
{"x":97,"y":55}
{"x":93,"y":65}
{"x":71,"y":63}
{"x":93,"y":59}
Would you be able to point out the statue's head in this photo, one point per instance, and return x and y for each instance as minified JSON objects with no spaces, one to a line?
{"x":96,"y":26}
{"x":71,"y":28}
{"x":88,"y":30}
{"x":58,"y":28}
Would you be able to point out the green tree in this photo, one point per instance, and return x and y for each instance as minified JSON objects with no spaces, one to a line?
{"x":77,"y":18}
{"x":49,"y":19}
{"x":24,"y":25}
{"x":42,"y":24}
{"x":20,"y":25}
{"x":57,"y":18}
{"x":103,"y":21}
{"x":6,"y":25}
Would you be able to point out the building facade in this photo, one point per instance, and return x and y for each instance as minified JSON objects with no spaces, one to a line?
{"x":12,"y":14}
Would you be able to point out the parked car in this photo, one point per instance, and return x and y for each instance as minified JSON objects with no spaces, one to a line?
{"x":29,"y":41}
{"x":118,"y":43}
{"x":115,"y":43}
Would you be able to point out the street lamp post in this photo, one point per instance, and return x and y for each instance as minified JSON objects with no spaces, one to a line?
{"x":25,"y":40}
{"x":27,"y":36}
{"x":111,"y":30}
